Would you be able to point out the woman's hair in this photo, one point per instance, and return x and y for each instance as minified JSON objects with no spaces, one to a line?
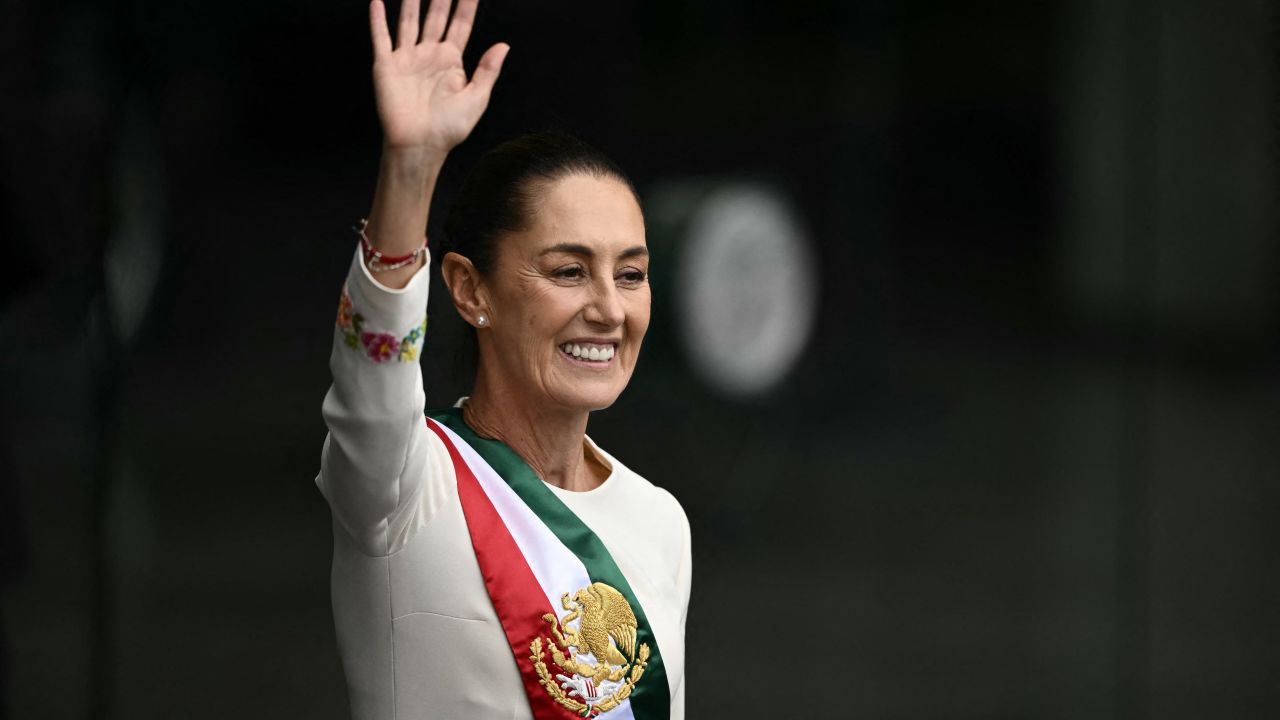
{"x":502,"y":192}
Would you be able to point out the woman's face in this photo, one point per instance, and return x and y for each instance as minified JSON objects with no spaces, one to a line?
{"x":569,"y":296}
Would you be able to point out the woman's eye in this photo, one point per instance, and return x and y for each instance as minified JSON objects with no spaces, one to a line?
{"x":569,"y":273}
{"x":633,"y":276}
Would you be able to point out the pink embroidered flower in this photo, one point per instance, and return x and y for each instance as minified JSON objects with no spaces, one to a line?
{"x":344,"y":309}
{"x":380,"y":346}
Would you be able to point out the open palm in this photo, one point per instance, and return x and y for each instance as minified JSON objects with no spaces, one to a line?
{"x":424,"y":99}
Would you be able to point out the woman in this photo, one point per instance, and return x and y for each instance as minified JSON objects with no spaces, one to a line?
{"x":490,"y":561}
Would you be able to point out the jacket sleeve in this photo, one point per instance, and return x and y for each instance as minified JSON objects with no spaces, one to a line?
{"x":379,"y":470}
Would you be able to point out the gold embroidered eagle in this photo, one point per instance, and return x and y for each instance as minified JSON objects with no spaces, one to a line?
{"x":604,"y":614}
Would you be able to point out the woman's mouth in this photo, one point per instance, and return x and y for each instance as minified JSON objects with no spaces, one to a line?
{"x":590,"y":353}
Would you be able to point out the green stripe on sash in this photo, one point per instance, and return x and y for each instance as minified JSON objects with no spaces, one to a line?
{"x":651,"y":699}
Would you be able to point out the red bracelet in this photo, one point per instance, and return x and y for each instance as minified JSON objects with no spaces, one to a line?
{"x":378,"y":262}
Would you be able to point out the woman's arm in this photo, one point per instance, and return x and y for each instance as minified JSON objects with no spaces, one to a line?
{"x":376,"y":458}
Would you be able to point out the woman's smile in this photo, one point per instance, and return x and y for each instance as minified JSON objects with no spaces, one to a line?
{"x":594,"y":355}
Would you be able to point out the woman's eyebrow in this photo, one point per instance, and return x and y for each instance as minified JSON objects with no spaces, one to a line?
{"x":571,"y":248}
{"x":579,"y":249}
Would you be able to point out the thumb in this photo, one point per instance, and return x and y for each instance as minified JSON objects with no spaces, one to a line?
{"x":490,"y":67}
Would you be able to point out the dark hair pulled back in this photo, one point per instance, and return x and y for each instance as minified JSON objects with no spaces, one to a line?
{"x":501,"y":192}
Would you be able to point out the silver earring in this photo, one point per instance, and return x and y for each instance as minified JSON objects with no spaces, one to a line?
{"x":480,"y":320}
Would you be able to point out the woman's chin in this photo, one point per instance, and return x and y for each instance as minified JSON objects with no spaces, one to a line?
{"x":588,"y":395}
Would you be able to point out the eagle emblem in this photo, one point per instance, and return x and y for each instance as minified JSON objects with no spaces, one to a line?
{"x":594,"y":648}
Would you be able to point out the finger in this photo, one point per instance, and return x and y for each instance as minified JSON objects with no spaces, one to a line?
{"x":460,"y":27}
{"x":490,"y":67}
{"x":378,"y":29}
{"x":437,"y":17}
{"x":408,"y":32}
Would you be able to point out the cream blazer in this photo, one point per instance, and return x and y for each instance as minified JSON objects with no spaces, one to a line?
{"x":415,"y":627}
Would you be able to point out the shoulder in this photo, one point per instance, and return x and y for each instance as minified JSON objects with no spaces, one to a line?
{"x":665,"y":528}
{"x":660,"y":507}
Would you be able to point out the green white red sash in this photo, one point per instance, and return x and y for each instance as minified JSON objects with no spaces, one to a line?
{"x":555,"y":588}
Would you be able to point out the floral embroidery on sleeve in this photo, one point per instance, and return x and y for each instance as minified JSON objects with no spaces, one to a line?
{"x":379,"y":347}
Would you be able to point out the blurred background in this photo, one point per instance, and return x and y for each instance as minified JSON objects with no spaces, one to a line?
{"x":965,"y":361}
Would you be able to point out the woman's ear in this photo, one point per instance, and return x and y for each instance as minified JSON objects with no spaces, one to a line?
{"x":466,"y":288}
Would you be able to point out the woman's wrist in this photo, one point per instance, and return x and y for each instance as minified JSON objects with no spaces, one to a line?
{"x":406,"y":181}
{"x":413,"y":162}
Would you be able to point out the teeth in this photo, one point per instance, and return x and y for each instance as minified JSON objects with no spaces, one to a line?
{"x":597,"y":353}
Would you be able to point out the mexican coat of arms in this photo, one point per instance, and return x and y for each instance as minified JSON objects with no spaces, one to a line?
{"x":593,"y":647}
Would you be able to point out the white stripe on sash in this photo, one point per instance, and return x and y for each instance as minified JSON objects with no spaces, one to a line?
{"x":554,"y":566}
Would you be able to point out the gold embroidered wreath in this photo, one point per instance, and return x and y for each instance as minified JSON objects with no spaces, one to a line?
{"x":576,"y":706}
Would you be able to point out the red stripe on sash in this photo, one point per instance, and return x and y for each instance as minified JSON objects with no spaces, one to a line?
{"x":517,"y":597}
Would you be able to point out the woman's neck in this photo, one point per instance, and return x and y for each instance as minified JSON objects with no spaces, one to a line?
{"x":551,"y":442}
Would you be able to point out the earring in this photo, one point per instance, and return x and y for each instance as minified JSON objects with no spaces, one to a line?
{"x":480,"y":320}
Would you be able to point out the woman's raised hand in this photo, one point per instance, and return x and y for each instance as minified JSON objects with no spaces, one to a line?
{"x":425,"y":102}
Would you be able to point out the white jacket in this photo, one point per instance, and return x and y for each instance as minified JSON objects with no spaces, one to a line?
{"x":415,"y":627}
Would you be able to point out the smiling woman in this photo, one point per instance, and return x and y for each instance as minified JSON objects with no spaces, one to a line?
{"x":490,"y":560}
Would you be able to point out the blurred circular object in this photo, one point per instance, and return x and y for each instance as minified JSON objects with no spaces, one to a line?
{"x":746,"y":288}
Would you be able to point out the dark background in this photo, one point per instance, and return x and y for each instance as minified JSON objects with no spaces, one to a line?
{"x":1026,"y":468}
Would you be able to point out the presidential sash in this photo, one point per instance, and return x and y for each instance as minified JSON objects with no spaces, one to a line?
{"x":581,"y":640}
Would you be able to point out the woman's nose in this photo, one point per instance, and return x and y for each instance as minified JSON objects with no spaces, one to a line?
{"x":606,"y":306}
